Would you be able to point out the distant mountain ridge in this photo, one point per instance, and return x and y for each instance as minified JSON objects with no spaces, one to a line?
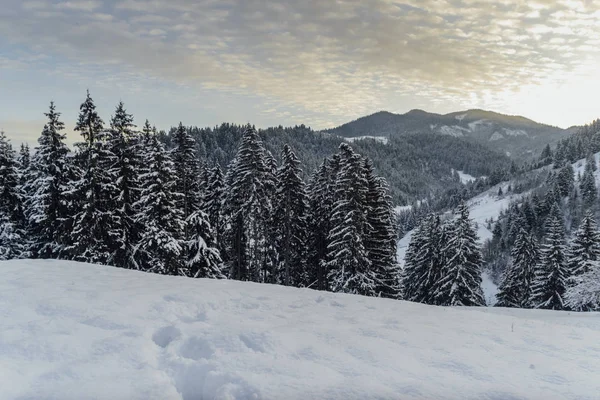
{"x":515,"y":136}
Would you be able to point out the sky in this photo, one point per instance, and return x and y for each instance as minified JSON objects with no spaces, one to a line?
{"x":315,"y":62}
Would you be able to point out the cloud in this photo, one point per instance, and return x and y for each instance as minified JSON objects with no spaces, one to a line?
{"x":329,"y":61}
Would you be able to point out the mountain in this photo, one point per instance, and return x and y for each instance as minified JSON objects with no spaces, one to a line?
{"x":517,"y":137}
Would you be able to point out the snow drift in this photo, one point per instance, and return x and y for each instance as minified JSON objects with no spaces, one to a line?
{"x":79,"y":331}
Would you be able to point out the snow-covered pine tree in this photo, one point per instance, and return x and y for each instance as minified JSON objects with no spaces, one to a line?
{"x":92,"y":237}
{"x":46,"y":205}
{"x":290,"y":222}
{"x":587,"y":187}
{"x":515,"y":288}
{"x":24,"y":158}
{"x":584,"y":251}
{"x":247,"y":211}
{"x":552,"y":273}
{"x":160,"y":247}
{"x":350,"y":269}
{"x":212,"y":202}
{"x":423,"y":265}
{"x":590,"y":162}
{"x":203,"y":257}
{"x":584,"y":293}
{"x":380,"y":241}
{"x":125,"y":145}
{"x":12,"y":218}
{"x":187,"y":168}
{"x":460,"y":284}
{"x":321,"y":196}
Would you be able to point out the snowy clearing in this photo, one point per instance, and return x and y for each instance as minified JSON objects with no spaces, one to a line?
{"x":464,"y":177}
{"x":78,"y":331}
{"x":380,"y":139}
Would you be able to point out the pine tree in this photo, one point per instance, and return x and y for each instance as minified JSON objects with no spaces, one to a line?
{"x":185,"y":159}
{"x":204,"y":259}
{"x":125,"y":145}
{"x":321,"y":198}
{"x":423,"y":261}
{"x":290,"y":221}
{"x":350,"y":269}
{"x":381,"y":237}
{"x":92,"y":234}
{"x":247,"y":211}
{"x":584,"y":293}
{"x":585,"y":248}
{"x":587,"y":186}
{"x":515,"y":288}
{"x":590,"y":162}
{"x":160,"y":247}
{"x":551,"y":274}
{"x":47,"y":205}
{"x":212,"y":202}
{"x":460,"y":284}
{"x":12,"y":219}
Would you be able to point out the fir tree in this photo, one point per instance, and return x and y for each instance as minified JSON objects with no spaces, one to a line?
{"x":551,"y":274}
{"x":160,"y":247}
{"x":350,"y":269}
{"x":584,"y":252}
{"x":47,"y":205}
{"x":423,"y":261}
{"x":381,"y":236}
{"x":212,"y":202}
{"x":204,"y":259}
{"x":460,"y":284}
{"x":290,"y":221}
{"x":187,"y":171}
{"x":321,"y":197}
{"x":12,"y":219}
{"x":92,"y":234}
{"x":587,"y":187}
{"x":125,"y":145}
{"x":247,"y":211}
{"x":515,"y":288}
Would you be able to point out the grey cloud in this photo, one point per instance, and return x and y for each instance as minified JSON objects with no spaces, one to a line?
{"x":342,"y":58}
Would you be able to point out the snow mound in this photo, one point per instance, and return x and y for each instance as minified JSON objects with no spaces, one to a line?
{"x":380,"y":139}
{"x":77,"y":331}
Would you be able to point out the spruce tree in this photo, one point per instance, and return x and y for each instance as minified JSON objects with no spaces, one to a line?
{"x":125,"y":146}
{"x":212,"y":202}
{"x":423,"y":261}
{"x":515,"y":288}
{"x":321,"y":198}
{"x":187,"y":168}
{"x":551,"y":273}
{"x":587,"y":187}
{"x":247,"y":211}
{"x":12,"y":218}
{"x":203,"y":257}
{"x":290,"y":221}
{"x":92,"y":235}
{"x":47,"y":205}
{"x":350,"y":269}
{"x":460,"y":284}
{"x":584,"y":293}
{"x":585,"y":247}
{"x":381,"y":236}
{"x":159,"y":249}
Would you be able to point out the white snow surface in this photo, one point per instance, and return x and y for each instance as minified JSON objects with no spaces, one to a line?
{"x":515,"y":132}
{"x":79,"y":331}
{"x":381,"y":139}
{"x":496,"y":136}
{"x":455,"y":130}
{"x":464,"y":177}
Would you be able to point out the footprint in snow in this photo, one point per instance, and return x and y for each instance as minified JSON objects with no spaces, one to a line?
{"x":165,"y":335}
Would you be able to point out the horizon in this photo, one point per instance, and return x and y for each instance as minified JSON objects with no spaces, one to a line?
{"x":283,"y":63}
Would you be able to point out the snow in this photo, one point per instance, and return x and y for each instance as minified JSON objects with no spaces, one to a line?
{"x":380,"y":139}
{"x":515,"y":132}
{"x":399,"y":209}
{"x":490,"y":289}
{"x":78,"y":331}
{"x":496,"y":136}
{"x":456,"y":131}
{"x":473,"y":125}
{"x":464,"y":177}
{"x":460,"y":117}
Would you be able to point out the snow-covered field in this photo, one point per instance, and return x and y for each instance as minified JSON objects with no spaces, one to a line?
{"x":78,"y":331}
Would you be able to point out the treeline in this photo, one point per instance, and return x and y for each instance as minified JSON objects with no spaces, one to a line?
{"x":121,"y":198}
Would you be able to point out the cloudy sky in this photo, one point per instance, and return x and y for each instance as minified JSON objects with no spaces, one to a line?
{"x":318,"y":62}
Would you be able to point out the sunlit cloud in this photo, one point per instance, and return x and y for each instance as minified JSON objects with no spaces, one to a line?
{"x":327,"y":62}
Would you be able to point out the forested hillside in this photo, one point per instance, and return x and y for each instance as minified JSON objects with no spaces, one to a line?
{"x":416,"y":166}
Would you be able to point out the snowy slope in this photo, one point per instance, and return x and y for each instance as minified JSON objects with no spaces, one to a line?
{"x":78,"y":331}
{"x":381,"y":139}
